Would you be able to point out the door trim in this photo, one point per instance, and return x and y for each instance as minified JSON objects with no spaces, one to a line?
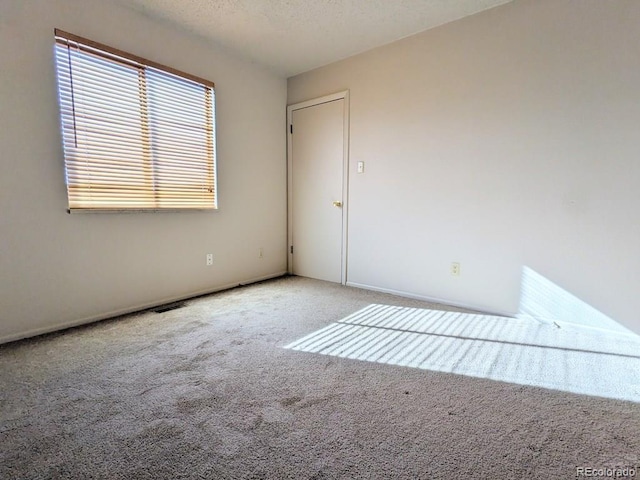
{"x":344,"y":95}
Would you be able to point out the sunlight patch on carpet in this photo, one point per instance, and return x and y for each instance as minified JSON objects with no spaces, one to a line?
{"x":518,"y":350}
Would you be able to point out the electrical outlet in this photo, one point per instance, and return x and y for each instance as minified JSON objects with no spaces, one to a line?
{"x":261,"y":253}
{"x":455,"y":269}
{"x":209,"y":259}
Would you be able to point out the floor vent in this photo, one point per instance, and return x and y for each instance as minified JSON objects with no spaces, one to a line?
{"x":169,"y":306}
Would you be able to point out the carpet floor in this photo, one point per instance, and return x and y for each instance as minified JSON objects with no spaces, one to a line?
{"x":208,"y":391}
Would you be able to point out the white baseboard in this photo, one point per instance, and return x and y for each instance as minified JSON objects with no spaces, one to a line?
{"x":137,"y":308}
{"x":426,"y":298}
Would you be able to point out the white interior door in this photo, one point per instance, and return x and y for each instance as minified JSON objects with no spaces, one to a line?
{"x":316,"y":193}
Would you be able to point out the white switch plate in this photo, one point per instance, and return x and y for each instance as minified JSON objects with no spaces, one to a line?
{"x":209,"y":259}
{"x":360,"y":167}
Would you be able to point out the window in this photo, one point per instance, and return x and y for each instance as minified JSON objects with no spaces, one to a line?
{"x":136,"y":135}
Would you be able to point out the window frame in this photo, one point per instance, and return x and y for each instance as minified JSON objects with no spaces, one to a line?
{"x":112,"y":55}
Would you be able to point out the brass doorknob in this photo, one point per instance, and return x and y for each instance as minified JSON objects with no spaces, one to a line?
{"x":337,"y":204}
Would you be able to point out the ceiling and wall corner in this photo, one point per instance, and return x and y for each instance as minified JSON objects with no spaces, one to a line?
{"x":294,"y":36}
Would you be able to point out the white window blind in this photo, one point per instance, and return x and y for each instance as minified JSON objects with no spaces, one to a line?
{"x":136,"y":135}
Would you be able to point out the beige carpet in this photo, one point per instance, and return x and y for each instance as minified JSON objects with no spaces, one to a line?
{"x":208,"y":392}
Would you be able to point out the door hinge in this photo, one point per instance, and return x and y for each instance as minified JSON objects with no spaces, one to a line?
{"x":291,"y":128}
{"x":291,"y":249}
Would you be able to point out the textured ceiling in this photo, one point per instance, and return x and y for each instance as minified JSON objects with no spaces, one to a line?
{"x":293,"y":36}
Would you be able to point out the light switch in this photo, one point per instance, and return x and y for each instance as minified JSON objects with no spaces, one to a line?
{"x":360,"y":167}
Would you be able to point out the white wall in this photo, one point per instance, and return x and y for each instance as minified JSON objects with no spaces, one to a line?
{"x":58,"y":269}
{"x":505,"y":140}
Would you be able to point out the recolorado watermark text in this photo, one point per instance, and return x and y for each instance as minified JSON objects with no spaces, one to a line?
{"x":606,"y":472}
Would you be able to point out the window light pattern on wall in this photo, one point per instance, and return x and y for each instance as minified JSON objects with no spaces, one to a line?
{"x":136,"y":135}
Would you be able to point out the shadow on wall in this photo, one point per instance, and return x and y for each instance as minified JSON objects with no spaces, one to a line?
{"x":543,"y":300}
{"x":524,"y":351}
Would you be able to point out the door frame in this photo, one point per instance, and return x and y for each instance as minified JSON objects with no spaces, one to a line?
{"x":344,"y":95}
